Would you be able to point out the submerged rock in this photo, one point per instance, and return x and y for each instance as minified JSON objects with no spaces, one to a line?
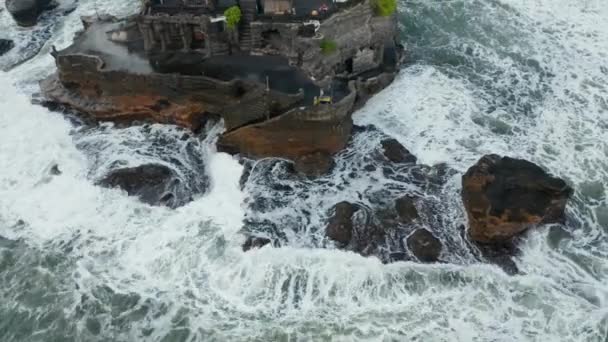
{"x":151,"y":183}
{"x":504,"y":197}
{"x":26,"y":12}
{"x":424,"y":245}
{"x":6,"y":45}
{"x":397,"y":153}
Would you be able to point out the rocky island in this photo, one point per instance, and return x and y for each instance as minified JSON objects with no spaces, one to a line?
{"x":283,"y":75}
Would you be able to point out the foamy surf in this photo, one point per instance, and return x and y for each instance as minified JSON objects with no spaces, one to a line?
{"x":84,"y":263}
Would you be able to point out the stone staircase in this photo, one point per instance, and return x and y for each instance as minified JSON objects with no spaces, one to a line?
{"x":219,"y":48}
{"x":248,"y":10}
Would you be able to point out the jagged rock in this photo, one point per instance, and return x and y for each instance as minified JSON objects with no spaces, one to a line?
{"x":397,"y":153}
{"x":340,"y":227}
{"x":5,"y":46}
{"x":314,"y":164}
{"x":406,"y":209}
{"x":26,"y":12}
{"x":151,"y":183}
{"x":424,"y":245}
{"x":255,"y":242}
{"x":504,"y":197}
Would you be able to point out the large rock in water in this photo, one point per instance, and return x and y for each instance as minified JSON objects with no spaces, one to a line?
{"x":26,"y":12}
{"x":152,"y":184}
{"x":504,"y":197}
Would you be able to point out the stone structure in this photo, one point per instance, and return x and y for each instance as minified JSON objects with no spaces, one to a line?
{"x":285,"y":80}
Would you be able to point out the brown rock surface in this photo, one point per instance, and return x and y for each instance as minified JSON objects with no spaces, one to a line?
{"x":504,"y":197}
{"x":127,"y":107}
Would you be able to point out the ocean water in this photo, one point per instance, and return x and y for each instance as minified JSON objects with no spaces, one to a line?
{"x":524,"y":78}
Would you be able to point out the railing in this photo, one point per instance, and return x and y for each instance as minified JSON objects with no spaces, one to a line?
{"x":289,"y":18}
{"x":181,"y":9}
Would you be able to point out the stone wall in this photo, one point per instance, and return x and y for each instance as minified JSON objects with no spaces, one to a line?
{"x":239,"y":102}
{"x":299,"y":132}
{"x":360,"y":37}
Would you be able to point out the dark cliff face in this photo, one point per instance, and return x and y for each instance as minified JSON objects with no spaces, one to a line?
{"x":504,"y":197}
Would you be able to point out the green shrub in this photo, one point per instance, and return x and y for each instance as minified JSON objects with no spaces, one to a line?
{"x":233,"y":17}
{"x":328,"y":46}
{"x":384,"y":8}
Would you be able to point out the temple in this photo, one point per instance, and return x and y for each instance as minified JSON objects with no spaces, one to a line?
{"x":283,"y":75}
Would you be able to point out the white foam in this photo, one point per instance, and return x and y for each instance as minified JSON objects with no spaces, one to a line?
{"x":190,"y":258}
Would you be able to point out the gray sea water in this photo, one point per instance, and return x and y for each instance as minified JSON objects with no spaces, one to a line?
{"x":524,"y":78}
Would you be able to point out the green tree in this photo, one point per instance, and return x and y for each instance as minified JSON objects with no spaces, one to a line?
{"x":233,"y":17}
{"x":328,"y":46}
{"x":384,"y":8}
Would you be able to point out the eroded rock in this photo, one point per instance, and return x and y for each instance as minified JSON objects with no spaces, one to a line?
{"x":151,"y":183}
{"x":26,"y":12}
{"x":397,"y":153}
{"x":504,"y":197}
{"x":424,"y":245}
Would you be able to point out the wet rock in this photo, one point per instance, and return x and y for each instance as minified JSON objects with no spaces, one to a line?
{"x":255,"y":242}
{"x":406,"y":209}
{"x":340,"y":227}
{"x":424,"y":245}
{"x":504,"y":197}
{"x":26,"y":12}
{"x":314,"y":164}
{"x":151,"y":183}
{"x":397,"y":153}
{"x":6,"y":45}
